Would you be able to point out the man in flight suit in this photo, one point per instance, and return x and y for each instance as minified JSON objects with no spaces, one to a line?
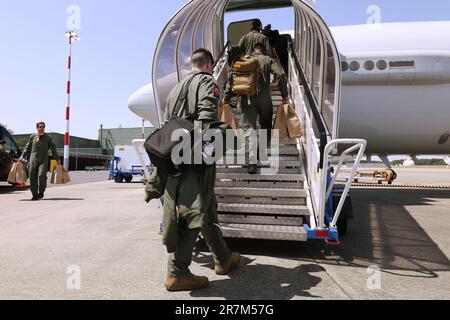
{"x":36,"y":152}
{"x":254,"y":37}
{"x":261,"y":104}
{"x":190,"y":204}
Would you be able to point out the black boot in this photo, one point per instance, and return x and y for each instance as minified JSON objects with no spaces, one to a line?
{"x":41,"y":195}
{"x":252,"y":169}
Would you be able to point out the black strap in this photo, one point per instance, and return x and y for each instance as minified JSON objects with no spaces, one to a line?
{"x":181,"y":101}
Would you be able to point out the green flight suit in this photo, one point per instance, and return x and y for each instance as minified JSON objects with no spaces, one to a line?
{"x":36,"y":152}
{"x":248,"y":42}
{"x":261,"y":104}
{"x":190,"y":203}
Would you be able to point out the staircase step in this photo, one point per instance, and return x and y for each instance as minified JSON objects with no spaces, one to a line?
{"x":260,"y":177}
{"x":273,"y":164}
{"x":264,"y":232}
{"x":241,"y":156}
{"x":301,"y":201}
{"x":260,"y":184}
{"x":265,"y":220}
{"x":239,"y":169}
{"x":284,"y":210}
{"x":285,"y":148}
{"x":258,"y":192}
{"x":240,"y":160}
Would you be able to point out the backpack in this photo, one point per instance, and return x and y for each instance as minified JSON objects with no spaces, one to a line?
{"x":246,"y":74}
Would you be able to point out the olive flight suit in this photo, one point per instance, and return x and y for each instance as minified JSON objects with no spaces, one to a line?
{"x":190,"y":203}
{"x":261,"y":104}
{"x":36,"y":152}
{"x":248,"y":42}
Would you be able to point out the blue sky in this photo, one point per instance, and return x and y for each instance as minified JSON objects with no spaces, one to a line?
{"x":114,"y":56}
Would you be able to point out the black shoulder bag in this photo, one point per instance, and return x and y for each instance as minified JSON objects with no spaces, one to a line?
{"x":159,"y":144}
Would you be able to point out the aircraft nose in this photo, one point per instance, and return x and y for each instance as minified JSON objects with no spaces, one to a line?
{"x":142,"y":104}
{"x":134,"y":103}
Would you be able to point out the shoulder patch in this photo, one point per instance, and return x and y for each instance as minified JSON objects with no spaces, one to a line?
{"x":216,"y":90}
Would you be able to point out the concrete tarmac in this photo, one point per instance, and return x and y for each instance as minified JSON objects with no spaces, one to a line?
{"x":110,"y":235}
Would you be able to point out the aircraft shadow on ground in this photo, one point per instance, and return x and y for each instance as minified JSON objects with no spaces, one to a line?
{"x":383,"y":234}
{"x":260,"y":282}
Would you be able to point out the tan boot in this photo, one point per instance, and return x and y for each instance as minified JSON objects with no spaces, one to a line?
{"x":186,"y":283}
{"x":225,"y":268}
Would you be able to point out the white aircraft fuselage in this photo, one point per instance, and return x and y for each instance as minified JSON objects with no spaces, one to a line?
{"x":395,"y":87}
{"x":402,"y":105}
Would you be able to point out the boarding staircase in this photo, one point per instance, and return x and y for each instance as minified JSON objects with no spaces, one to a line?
{"x":293,"y":196}
{"x":270,"y":204}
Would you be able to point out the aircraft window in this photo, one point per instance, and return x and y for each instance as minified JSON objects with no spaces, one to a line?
{"x":402,"y":64}
{"x":328,"y":102}
{"x":199,"y":35}
{"x":308,"y":50}
{"x":344,"y":66}
{"x":299,"y":35}
{"x":165,"y":62}
{"x":369,"y":65}
{"x":317,"y":72}
{"x":355,"y":66}
{"x":304,"y":39}
{"x":186,"y":47}
{"x":311,"y":49}
{"x":382,"y":64}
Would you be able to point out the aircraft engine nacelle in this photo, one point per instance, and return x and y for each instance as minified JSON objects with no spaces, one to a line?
{"x":409,"y":163}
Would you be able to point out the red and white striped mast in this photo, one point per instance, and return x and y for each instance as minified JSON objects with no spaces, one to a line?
{"x":72,"y":36}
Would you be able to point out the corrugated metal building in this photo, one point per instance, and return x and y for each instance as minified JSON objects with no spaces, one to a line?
{"x":109,"y":138}
{"x":90,"y":146}
{"x":91,"y":153}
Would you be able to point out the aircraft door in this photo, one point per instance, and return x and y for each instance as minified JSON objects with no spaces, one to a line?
{"x":237,"y":30}
{"x":319,"y":58}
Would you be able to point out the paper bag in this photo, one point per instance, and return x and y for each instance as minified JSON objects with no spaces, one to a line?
{"x":66,"y":177}
{"x":60,"y":176}
{"x":287,"y":122}
{"x":280,"y":123}
{"x":226,"y":115}
{"x":293,"y":124}
{"x":18,"y":174}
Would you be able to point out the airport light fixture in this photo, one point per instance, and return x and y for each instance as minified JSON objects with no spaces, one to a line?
{"x":72,"y":36}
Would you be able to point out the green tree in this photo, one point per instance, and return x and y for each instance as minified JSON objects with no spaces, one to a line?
{"x":6,"y":127}
{"x":21,"y":143}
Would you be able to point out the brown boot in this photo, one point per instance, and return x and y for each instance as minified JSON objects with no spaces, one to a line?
{"x":225,"y":268}
{"x":186,"y":283}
